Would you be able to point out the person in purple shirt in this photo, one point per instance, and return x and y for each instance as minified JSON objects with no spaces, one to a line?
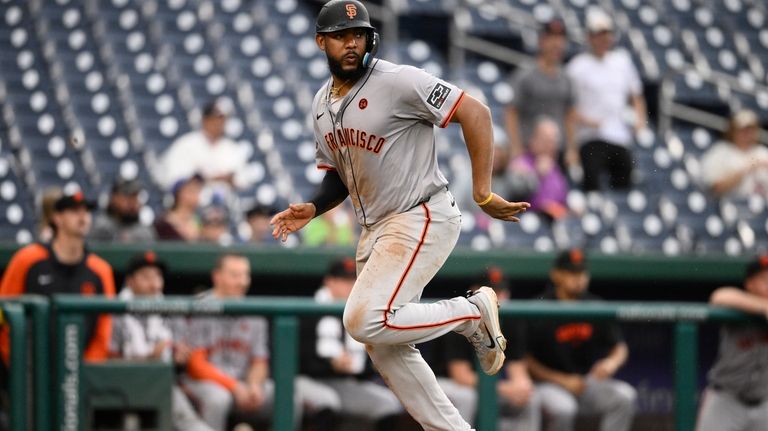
{"x":537,"y":173}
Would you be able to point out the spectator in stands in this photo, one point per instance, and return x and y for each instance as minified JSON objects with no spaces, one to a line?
{"x":736,"y":398}
{"x":149,"y":336}
{"x":518,"y":406}
{"x":258,"y":218}
{"x":331,"y":357}
{"x":537,"y":174}
{"x":228,"y":368}
{"x":605,"y":79}
{"x":181,"y":222}
{"x":573,"y":362}
{"x":333,"y":228}
{"x":738,"y":167}
{"x":220,"y":160}
{"x":64,"y":266}
{"x":543,"y":90}
{"x":120,"y":221}
{"x":48,"y":199}
{"x":215,"y":225}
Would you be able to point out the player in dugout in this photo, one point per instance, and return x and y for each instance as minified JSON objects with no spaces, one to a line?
{"x":374,"y":132}
{"x":65,"y":265}
{"x":736,"y":398}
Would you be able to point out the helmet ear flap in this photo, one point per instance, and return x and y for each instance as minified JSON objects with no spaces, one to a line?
{"x":371,"y":47}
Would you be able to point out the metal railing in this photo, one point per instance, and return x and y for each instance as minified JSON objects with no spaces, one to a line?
{"x":13,"y":315}
{"x":70,"y":312}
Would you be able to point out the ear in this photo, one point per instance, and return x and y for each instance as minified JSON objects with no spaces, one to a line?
{"x":320,"y":40}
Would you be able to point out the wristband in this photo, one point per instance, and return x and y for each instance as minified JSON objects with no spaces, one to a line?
{"x":486,"y":200}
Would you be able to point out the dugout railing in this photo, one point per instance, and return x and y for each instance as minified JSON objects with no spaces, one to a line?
{"x":68,"y":313}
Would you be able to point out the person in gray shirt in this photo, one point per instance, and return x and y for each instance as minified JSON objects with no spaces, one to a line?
{"x":119,"y":222}
{"x":736,"y":398}
{"x":543,"y":90}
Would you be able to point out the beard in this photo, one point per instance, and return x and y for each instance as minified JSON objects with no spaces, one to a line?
{"x":346,"y":75}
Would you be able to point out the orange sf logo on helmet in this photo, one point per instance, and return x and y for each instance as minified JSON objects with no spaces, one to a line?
{"x":351,"y":10}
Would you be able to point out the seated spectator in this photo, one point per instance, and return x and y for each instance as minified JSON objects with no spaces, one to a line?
{"x":336,"y":227}
{"x":228,"y":369}
{"x":149,"y":337}
{"x":220,"y":160}
{"x":736,"y":397}
{"x":605,"y":81}
{"x":331,"y":357}
{"x":215,"y":225}
{"x":181,"y":222}
{"x":737,"y":167}
{"x":518,"y":406}
{"x":573,"y":362}
{"x":120,"y":221}
{"x":258,"y":218}
{"x":545,"y":185}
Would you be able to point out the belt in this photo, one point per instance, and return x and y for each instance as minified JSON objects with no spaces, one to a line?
{"x":425,"y":200}
{"x":747,"y":401}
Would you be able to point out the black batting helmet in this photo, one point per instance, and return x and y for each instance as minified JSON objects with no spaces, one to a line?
{"x":342,"y":14}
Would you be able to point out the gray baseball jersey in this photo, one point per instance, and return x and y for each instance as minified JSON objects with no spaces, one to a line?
{"x":232,"y":342}
{"x":742,"y":363}
{"x":380,"y":137}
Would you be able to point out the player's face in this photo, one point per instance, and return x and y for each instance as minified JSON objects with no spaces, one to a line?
{"x":345,"y":50}
{"x":233,"y":279}
{"x":73,"y":222}
{"x":758,"y":284}
{"x":570,"y":284}
{"x":214,"y":125}
{"x":147,"y":281}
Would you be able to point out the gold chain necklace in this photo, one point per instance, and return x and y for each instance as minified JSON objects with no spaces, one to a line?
{"x":336,"y":90}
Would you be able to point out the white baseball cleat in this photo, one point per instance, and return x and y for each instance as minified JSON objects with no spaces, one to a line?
{"x":488,"y":341}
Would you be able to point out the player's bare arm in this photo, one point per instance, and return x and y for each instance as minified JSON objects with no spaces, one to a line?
{"x":733,"y":297}
{"x":476,"y":125}
{"x":331,"y":193}
{"x":608,"y":366}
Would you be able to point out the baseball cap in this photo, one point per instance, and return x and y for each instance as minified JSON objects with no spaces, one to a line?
{"x":571,"y":260}
{"x":745,"y":118}
{"x":492,"y":277}
{"x":261,"y":210}
{"x":757,"y":265}
{"x":343,"y":268}
{"x":598,"y":21}
{"x":124,"y":186}
{"x":553,"y":26}
{"x":143,"y":260}
{"x":73,"y":200}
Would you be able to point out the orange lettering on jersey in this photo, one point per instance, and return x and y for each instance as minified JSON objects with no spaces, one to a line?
{"x":378,"y":146}
{"x":350,"y":137}
{"x":87,"y":289}
{"x":574,"y":333}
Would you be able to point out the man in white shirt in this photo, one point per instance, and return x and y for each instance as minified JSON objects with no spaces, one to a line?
{"x":738,"y":166}
{"x":219,"y":160}
{"x":605,"y":81}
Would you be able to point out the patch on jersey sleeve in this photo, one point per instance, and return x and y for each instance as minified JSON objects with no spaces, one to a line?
{"x":438,"y":95}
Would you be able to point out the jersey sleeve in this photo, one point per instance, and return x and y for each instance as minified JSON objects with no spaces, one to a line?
{"x":426,"y":97}
{"x":15,"y":276}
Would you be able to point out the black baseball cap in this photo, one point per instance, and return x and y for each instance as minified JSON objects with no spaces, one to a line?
{"x":343,"y":268}
{"x":143,"y":260}
{"x":216,"y":108}
{"x":573,"y":260}
{"x":124,"y":186}
{"x":73,"y":200}
{"x":553,"y":26}
{"x":757,"y":265}
{"x":492,"y":277}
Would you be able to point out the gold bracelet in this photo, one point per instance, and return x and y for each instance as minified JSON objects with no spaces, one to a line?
{"x":485,"y":201}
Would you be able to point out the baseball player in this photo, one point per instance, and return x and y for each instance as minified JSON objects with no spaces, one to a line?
{"x":373,"y":124}
{"x":736,"y":398}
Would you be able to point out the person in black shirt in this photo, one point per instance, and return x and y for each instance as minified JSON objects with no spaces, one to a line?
{"x":574,"y":362}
